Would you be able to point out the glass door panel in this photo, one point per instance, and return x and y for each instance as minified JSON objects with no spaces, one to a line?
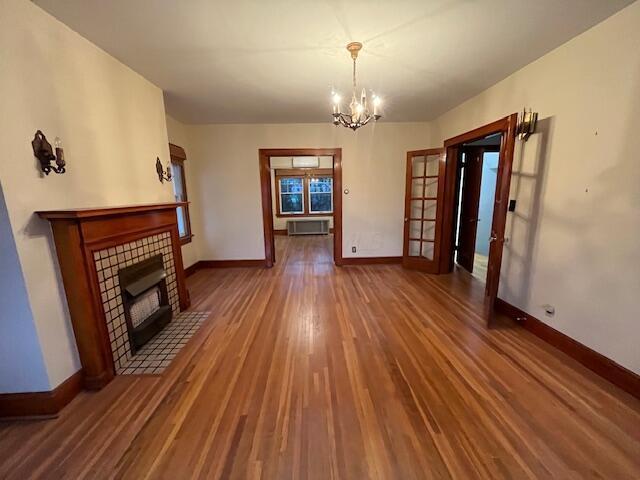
{"x":417,"y":187}
{"x":431,"y":188}
{"x":429,"y":231}
{"x":418,"y":164}
{"x":427,"y":251}
{"x":416,"y":209}
{"x":433,"y":165}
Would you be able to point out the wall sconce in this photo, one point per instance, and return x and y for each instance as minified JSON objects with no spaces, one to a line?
{"x":527,"y":121}
{"x":162,"y":176}
{"x":44,"y":153}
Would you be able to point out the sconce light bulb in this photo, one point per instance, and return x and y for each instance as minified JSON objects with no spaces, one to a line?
{"x":57,"y":142}
{"x":336,"y":98}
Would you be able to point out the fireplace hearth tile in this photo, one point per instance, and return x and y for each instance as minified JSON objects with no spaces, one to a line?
{"x":157,"y":355}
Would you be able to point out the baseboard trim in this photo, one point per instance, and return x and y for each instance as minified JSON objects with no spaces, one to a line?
{"x":371,"y":260}
{"x":41,"y":404}
{"x":224,"y":264}
{"x":191,"y":269}
{"x":594,"y":361}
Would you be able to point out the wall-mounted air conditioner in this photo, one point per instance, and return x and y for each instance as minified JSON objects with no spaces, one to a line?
{"x":306,"y":162}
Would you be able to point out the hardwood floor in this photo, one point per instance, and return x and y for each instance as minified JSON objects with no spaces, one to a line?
{"x":311,"y":371}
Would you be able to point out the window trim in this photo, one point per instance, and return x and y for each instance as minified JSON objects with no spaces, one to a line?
{"x":178,"y":157}
{"x":305,"y":174}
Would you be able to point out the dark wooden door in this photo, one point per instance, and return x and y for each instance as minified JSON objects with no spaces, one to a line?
{"x":423,"y":209}
{"x":469,"y":204}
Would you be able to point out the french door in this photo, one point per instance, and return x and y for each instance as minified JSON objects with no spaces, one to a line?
{"x":423,"y":209}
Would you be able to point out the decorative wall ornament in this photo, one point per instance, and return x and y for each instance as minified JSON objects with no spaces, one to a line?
{"x":162,"y":175}
{"x":527,"y":121}
{"x":359,"y":114}
{"x":44,"y":153}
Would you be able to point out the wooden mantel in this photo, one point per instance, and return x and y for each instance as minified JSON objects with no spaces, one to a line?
{"x":96,"y":212}
{"x":78,"y":233}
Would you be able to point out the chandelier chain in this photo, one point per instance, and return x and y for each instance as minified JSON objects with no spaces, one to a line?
{"x":354,"y":76}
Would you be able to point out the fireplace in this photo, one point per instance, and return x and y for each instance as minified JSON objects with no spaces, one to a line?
{"x":123,"y":278}
{"x":146,"y":301}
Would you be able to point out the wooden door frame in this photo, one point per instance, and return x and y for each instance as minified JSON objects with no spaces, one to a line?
{"x":507,"y":128}
{"x":264,"y":154}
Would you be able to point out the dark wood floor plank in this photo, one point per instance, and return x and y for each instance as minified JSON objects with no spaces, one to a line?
{"x":315,"y":372}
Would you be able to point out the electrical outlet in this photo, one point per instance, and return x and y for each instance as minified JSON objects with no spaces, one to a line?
{"x":549,"y":310}
{"x":353,"y":249}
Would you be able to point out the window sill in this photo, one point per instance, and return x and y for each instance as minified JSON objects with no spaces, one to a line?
{"x":185,"y":240}
{"x":299,"y":215}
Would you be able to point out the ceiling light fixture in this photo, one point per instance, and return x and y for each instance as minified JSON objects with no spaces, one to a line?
{"x":360,"y":114}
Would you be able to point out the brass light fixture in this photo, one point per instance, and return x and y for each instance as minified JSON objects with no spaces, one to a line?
{"x":527,"y":121}
{"x":44,"y":153}
{"x":162,"y":175}
{"x":359,"y":113}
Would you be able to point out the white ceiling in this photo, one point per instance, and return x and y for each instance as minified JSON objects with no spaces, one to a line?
{"x":275,"y":61}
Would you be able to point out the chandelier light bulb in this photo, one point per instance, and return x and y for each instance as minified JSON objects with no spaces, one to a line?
{"x":377,"y":101}
{"x":336,"y":103}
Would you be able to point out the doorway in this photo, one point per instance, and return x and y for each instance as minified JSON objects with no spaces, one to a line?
{"x":456,"y":148}
{"x":476,"y":184}
{"x":435,"y":184}
{"x":305,"y":195}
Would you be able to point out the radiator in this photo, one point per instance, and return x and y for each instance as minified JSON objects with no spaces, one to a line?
{"x":307,"y":227}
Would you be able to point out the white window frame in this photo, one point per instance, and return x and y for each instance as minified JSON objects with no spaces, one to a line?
{"x":309,"y":193}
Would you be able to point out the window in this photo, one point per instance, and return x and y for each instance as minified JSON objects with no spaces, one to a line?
{"x":178,"y":158}
{"x":304,"y":192}
{"x":321,"y":195}
{"x":291,"y":195}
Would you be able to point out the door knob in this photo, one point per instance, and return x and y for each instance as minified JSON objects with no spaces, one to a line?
{"x":493,"y":238}
{"x":406,"y":219}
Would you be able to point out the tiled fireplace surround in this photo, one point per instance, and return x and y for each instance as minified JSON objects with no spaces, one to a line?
{"x":108,"y":263}
{"x":92,"y":246}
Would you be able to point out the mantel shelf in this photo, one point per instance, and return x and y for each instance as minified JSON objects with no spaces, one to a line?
{"x":96,"y":212}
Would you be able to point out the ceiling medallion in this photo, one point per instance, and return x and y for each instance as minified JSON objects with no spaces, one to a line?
{"x":359,"y":114}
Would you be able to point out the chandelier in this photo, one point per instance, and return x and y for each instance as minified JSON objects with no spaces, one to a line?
{"x":359,"y":114}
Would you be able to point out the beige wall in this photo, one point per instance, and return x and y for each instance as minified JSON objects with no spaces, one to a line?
{"x":177,"y":133}
{"x":112,"y":123}
{"x":228,"y":183}
{"x":573,"y":240}
{"x":280,"y":223}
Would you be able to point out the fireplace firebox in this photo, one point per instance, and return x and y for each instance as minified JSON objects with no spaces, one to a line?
{"x":145,"y":299}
